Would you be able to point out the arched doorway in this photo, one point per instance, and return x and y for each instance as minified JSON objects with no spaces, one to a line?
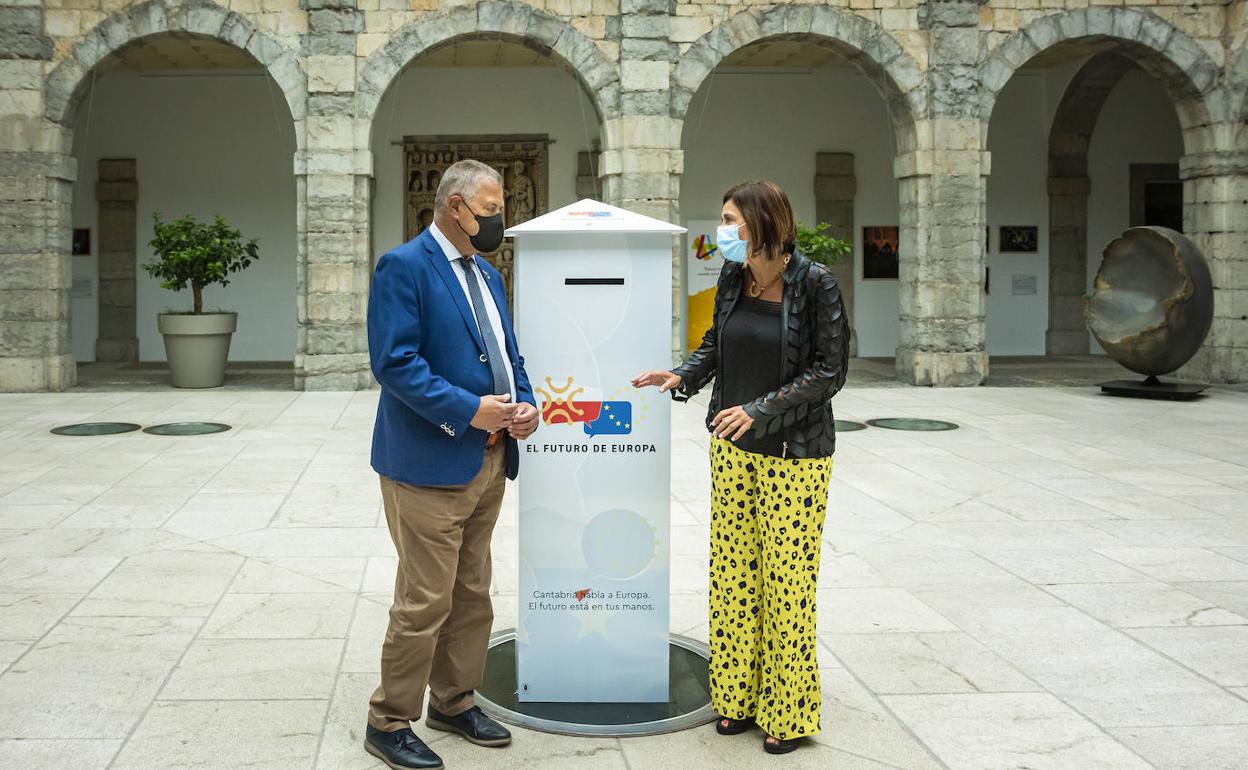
{"x":1091,"y":115}
{"x":519,"y":108}
{"x":522,"y":90}
{"x":142,"y":99}
{"x":767,"y":95}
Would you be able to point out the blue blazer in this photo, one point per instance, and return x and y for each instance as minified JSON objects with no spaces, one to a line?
{"x":426,"y":353}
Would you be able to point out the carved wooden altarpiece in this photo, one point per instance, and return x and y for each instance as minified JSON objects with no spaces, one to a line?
{"x":522,"y":160}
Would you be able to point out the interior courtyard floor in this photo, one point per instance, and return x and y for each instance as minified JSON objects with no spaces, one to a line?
{"x":1060,"y":583}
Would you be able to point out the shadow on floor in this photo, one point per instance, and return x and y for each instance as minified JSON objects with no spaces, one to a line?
{"x":1011,"y":371}
{"x":154,"y":375}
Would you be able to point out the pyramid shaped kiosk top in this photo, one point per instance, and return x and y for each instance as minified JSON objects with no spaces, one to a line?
{"x":591,"y":216}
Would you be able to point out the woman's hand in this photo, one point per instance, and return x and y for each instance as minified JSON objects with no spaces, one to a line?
{"x":732,"y":423}
{"x":665,"y":380}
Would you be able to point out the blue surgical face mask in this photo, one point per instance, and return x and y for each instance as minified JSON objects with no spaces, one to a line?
{"x":732,"y":247}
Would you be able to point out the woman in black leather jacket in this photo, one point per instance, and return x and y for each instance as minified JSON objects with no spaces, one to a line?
{"x":777,"y":352}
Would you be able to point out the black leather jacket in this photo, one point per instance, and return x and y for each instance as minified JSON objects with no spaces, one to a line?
{"x":813,"y":360}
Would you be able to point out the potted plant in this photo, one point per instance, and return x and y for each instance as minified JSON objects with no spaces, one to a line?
{"x":820,"y":247}
{"x":197,"y":254}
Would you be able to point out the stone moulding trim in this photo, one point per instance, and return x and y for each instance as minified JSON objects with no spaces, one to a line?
{"x":1155,"y":45}
{"x":67,"y":82}
{"x":495,"y":19}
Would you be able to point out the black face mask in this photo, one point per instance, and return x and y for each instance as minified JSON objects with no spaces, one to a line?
{"x":490,"y":235}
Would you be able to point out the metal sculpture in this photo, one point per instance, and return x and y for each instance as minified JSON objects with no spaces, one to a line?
{"x":1151,"y":308}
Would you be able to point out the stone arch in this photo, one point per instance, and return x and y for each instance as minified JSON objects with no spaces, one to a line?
{"x":66,"y":83}
{"x":1149,"y":41}
{"x":876,"y":53}
{"x":504,"y":19}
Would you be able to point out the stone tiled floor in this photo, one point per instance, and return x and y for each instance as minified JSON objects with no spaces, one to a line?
{"x":1062,"y":583}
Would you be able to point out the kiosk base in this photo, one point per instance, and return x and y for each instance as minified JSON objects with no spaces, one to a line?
{"x":688,"y":706}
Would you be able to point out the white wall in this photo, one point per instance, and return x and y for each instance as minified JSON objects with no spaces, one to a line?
{"x":1018,"y":140}
{"x":1137,"y":125}
{"x":744,"y":126}
{"x":477,"y":100}
{"x":203,"y":144}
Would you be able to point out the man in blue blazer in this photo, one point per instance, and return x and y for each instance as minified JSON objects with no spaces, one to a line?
{"x":454,"y":401}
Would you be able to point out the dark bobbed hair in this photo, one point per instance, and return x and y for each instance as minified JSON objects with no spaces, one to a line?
{"x":767,"y":214}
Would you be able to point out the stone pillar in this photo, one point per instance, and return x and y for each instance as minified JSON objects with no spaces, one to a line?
{"x":587,"y":166}
{"x":835,"y":188}
{"x":332,"y":183}
{"x":36,"y":182}
{"x":1068,"y":265}
{"x":642,"y":163}
{"x":116,"y":192}
{"x":1215,"y":216}
{"x":941,"y":183}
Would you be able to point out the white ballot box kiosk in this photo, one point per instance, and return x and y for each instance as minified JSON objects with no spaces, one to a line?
{"x":593,"y":305}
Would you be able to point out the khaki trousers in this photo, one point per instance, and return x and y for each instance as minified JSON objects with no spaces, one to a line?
{"x":441,"y":618}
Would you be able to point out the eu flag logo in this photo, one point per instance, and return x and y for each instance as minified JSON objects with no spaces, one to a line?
{"x":615,"y":419}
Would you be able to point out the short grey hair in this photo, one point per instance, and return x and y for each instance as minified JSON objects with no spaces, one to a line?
{"x":464,"y":178}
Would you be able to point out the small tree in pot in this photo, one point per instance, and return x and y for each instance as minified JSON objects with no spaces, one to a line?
{"x":821,"y":247}
{"x":197,"y":254}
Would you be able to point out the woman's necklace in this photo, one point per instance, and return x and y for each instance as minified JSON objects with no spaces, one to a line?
{"x":756,"y":289}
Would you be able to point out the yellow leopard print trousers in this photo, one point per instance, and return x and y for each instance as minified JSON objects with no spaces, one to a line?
{"x":766,"y":523}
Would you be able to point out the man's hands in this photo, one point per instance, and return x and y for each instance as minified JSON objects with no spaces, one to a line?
{"x":665,"y":380}
{"x":524,"y":421}
{"x":732,"y":423}
{"x":497,"y":412}
{"x":494,"y":413}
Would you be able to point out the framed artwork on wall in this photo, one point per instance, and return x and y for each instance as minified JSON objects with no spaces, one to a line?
{"x":1019,"y":239}
{"x":82,"y":241}
{"x":880,"y":246}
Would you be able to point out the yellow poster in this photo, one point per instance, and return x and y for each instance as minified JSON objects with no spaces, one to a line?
{"x":701,"y":276}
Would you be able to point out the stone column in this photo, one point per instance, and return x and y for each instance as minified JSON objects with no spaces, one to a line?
{"x":835,"y":188}
{"x":332,"y":183}
{"x":1215,"y":216}
{"x":642,"y":162}
{"x":1068,"y":265}
{"x":116,"y":192}
{"x":587,"y":166}
{"x":941,"y":182}
{"x":36,"y":183}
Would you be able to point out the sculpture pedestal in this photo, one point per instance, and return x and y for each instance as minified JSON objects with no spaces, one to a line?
{"x":1153,"y":388}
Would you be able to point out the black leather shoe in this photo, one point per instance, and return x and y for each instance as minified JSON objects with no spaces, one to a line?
{"x":472,"y":724}
{"x":401,"y":750}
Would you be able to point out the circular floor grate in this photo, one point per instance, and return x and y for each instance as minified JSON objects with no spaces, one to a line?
{"x":187,"y":428}
{"x":849,"y":426}
{"x":911,"y":423}
{"x":688,"y":706}
{"x":95,"y":429}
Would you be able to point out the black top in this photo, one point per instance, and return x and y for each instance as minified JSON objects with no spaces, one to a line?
{"x":750,"y":364}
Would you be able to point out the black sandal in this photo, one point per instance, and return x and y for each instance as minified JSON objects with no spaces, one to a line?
{"x":780,"y":746}
{"x":728,"y":726}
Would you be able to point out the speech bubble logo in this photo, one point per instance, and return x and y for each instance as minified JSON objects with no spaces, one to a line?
{"x":615,"y":419}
